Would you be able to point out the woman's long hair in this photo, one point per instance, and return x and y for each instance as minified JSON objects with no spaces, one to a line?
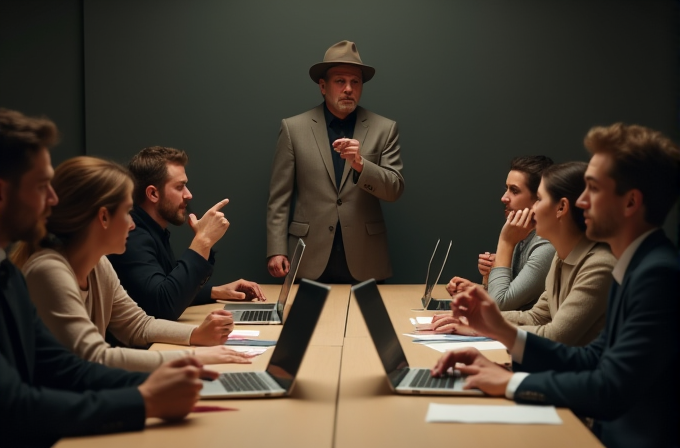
{"x":566,"y":180}
{"x":83,"y":185}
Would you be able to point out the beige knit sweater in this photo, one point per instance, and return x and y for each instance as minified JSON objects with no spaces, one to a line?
{"x":572,"y":308}
{"x":79,"y":320}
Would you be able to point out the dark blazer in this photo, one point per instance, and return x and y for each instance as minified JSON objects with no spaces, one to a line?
{"x":162,"y":286}
{"x":46,"y":392}
{"x":627,"y":379}
{"x":303,"y":185}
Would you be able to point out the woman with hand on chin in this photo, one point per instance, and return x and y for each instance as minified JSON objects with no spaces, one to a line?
{"x":77,"y":292}
{"x":572,"y":308}
{"x":516,"y":273}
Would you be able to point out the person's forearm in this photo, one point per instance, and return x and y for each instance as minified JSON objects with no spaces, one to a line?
{"x":506,"y":334}
{"x":504,"y":254}
{"x":201,"y":246}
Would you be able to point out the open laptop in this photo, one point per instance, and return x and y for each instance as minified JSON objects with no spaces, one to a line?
{"x":434,"y":271}
{"x":268,"y":313}
{"x":279,"y":377}
{"x":402,"y":378}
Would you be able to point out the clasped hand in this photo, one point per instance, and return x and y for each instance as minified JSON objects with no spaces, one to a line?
{"x":214,"y":330}
{"x":348,"y":149}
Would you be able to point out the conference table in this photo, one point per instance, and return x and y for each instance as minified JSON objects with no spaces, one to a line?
{"x":341,"y":398}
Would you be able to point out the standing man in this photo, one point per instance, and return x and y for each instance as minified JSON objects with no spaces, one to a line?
{"x":627,"y":378}
{"x":334,"y":164}
{"x":47,"y":391}
{"x":161,"y":284}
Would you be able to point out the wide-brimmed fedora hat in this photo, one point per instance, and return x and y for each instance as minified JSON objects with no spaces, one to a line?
{"x":344,"y":52}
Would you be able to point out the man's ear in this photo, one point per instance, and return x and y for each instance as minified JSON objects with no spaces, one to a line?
{"x":633,"y":202}
{"x":152,"y":194}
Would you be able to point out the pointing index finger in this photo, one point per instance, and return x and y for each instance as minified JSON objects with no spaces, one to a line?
{"x":220,"y":204}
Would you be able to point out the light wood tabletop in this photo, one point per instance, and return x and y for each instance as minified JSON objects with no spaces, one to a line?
{"x":370,"y":414}
{"x":341,"y":398}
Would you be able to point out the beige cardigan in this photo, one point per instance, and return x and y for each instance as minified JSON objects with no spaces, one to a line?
{"x":572,"y":308}
{"x":81,"y":324}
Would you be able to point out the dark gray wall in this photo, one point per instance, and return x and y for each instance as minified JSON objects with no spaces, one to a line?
{"x":471,"y":83}
{"x":41,"y":66}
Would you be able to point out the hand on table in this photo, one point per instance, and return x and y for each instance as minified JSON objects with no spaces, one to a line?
{"x":220,"y":354}
{"x":171,"y":391}
{"x":238,"y":290}
{"x":214,"y":330}
{"x":480,"y":312}
{"x":481,"y":373}
{"x":458,"y":284}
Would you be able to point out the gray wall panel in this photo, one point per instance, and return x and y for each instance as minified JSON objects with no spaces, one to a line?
{"x":41,"y":66}
{"x":472,"y":84}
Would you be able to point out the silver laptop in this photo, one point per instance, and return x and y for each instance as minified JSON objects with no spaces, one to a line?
{"x":402,"y":378}
{"x":434,"y":271}
{"x":268,"y":313}
{"x":279,"y":377}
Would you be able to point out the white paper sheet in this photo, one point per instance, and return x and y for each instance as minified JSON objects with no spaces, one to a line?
{"x":446,"y":346}
{"x":248,"y":349}
{"x":423,"y":336}
{"x":244,"y":333}
{"x":421,"y":320}
{"x":516,"y":415}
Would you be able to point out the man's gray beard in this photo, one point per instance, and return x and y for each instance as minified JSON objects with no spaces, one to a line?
{"x":347,"y":108}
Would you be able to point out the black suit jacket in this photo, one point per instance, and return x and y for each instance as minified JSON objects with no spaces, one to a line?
{"x":162,"y":286}
{"x":46,"y":392}
{"x":628,"y":377}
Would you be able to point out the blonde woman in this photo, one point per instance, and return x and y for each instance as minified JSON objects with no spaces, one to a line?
{"x":77,"y":292}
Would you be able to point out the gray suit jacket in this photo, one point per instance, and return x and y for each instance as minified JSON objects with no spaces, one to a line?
{"x":303,"y":175}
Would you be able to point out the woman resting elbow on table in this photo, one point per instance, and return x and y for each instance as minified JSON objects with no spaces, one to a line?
{"x":572,"y":308}
{"x":76,"y":291}
{"x":515,"y":274}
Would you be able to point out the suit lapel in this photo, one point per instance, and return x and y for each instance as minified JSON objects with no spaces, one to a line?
{"x":320,"y":133}
{"x":618,"y":292}
{"x":616,"y":305}
{"x":360,"y":132}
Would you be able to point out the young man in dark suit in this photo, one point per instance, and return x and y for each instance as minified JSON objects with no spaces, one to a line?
{"x":48,"y":392}
{"x":627,"y":378}
{"x":164,"y":286}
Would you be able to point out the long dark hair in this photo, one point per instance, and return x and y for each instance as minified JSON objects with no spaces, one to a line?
{"x":566,"y":180}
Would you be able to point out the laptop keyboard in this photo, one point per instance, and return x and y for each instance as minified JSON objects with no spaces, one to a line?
{"x":242,"y":382}
{"x":257,"y":316}
{"x":424,"y":380}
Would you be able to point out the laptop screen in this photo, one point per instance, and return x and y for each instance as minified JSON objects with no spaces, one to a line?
{"x":290,"y":277}
{"x":382,"y":332}
{"x":297,"y":331}
{"x":434,"y":271}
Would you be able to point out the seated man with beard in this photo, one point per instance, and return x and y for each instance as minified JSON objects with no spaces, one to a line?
{"x":162,"y":285}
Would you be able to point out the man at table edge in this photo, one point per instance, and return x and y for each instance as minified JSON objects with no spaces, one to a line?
{"x":627,"y":378}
